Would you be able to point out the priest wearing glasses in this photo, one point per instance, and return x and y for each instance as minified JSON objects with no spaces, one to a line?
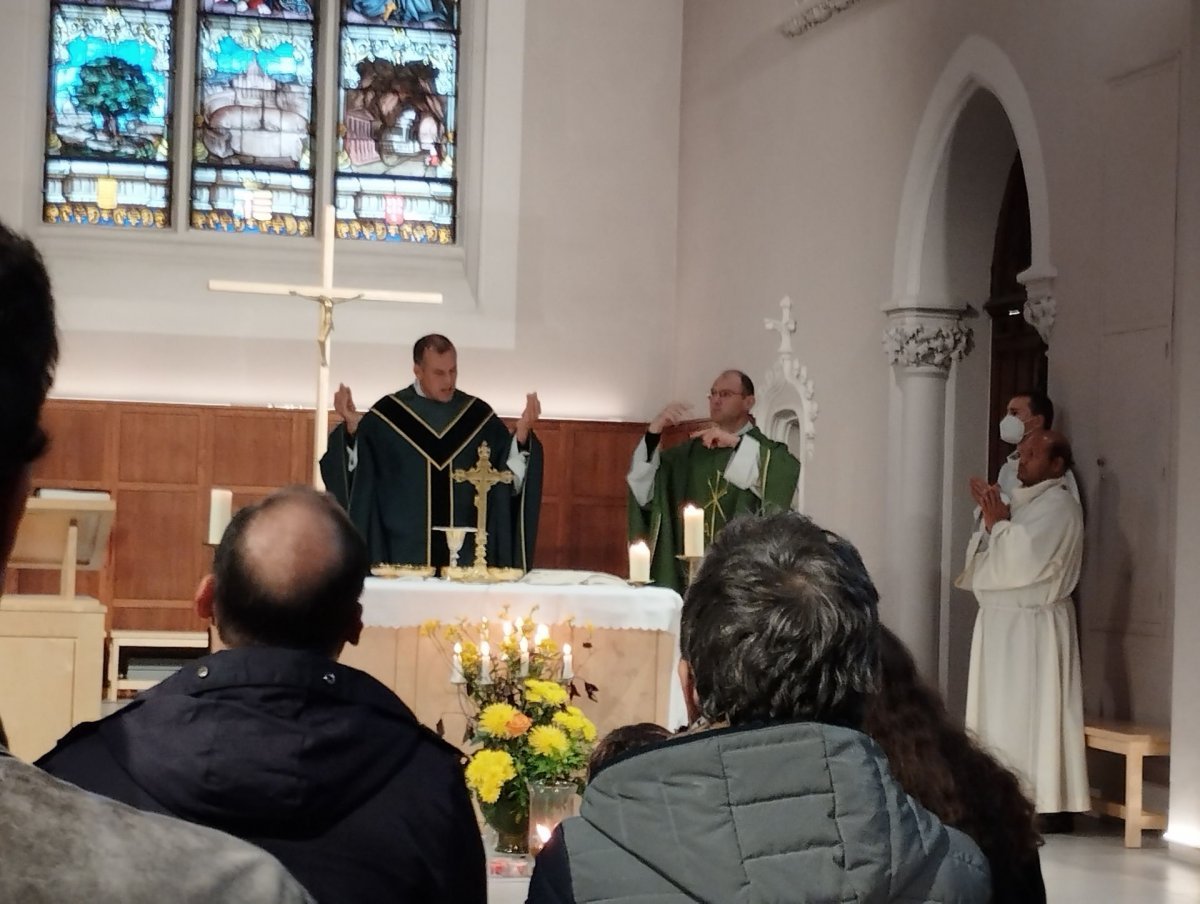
{"x":727,"y":468}
{"x":392,"y":467}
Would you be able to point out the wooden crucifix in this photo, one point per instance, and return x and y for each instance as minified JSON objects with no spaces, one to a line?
{"x":327,"y":296}
{"x":483,"y":477}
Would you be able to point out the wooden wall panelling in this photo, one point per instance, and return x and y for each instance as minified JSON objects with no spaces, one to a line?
{"x":160,"y":461}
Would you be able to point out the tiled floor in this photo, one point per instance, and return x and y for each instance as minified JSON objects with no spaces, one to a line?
{"x":1093,"y":867}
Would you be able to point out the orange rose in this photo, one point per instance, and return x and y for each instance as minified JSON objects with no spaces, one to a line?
{"x":518,"y":725}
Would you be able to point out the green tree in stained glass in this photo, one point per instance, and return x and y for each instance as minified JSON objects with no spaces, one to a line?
{"x":112,"y":88}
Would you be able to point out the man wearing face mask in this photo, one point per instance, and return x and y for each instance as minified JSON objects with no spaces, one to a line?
{"x":1027,"y":413}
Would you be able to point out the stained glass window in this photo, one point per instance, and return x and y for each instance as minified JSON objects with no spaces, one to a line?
{"x":395,"y":177}
{"x":109,"y":114}
{"x":253,"y":166}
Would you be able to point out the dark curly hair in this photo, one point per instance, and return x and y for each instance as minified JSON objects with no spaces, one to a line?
{"x":950,"y":774}
{"x":780,"y":624}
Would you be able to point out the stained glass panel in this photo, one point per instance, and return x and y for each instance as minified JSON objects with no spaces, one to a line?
{"x":252,"y":148}
{"x":439,"y":14}
{"x":275,"y":9}
{"x":395,"y":167}
{"x":108,"y":117}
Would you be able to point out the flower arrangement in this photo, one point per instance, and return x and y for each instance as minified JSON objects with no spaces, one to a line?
{"x":518,"y":698}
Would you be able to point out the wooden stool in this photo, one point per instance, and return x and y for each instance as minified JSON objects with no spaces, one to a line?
{"x":162,"y":640}
{"x":1135,"y":743}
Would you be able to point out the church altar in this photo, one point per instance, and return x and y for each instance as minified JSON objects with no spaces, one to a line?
{"x":634,"y":636}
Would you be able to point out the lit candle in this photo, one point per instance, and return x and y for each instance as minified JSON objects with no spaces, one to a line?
{"x":568,"y":665}
{"x":506,"y":628}
{"x":483,"y":628}
{"x":524,"y":645}
{"x":485,"y":663}
{"x":220,"y":510}
{"x":456,"y":670}
{"x":693,"y":531}
{"x":520,"y":626}
{"x":639,"y":562}
{"x":542,"y":633}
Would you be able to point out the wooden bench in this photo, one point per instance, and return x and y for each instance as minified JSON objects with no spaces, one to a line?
{"x":159,"y":640}
{"x":1135,"y":743}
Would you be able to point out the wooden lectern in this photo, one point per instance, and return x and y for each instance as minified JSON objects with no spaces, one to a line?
{"x":52,"y":645}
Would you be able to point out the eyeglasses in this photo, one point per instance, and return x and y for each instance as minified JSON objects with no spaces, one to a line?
{"x":724,"y":394}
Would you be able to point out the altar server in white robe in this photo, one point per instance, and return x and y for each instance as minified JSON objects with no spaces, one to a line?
{"x":1024,"y":691}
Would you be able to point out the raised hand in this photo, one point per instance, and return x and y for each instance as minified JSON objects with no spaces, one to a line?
{"x":529,"y":417}
{"x":343,"y":404}
{"x":670,"y":416}
{"x":715,"y":437}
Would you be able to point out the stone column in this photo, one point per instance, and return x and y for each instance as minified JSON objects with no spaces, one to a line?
{"x":922,"y":344}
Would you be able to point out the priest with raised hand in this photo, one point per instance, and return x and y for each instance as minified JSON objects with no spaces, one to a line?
{"x":727,"y":469}
{"x":392,"y":467}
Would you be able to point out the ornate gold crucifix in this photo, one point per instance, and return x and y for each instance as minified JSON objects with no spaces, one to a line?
{"x":483,"y":477}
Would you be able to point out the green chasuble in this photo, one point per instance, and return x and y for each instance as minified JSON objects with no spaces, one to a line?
{"x":401,"y":488}
{"x":692,"y":473}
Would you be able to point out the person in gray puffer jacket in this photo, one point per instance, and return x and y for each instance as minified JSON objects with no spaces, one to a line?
{"x":775,"y":795}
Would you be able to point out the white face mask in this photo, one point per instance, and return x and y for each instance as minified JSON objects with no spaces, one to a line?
{"x":1012,"y":429}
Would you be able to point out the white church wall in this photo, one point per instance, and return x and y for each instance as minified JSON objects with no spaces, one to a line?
{"x":575,"y":175}
{"x":794,"y":157}
{"x":1184,"y":814}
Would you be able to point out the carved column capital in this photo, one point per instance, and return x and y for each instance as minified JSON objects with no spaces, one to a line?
{"x":1041,"y":306}
{"x":927,"y":341}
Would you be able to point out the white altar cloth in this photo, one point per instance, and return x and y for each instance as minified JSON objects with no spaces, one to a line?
{"x":401,"y":603}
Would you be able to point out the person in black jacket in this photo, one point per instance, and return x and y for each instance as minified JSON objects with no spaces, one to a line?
{"x":952,"y":776}
{"x":275,"y":742}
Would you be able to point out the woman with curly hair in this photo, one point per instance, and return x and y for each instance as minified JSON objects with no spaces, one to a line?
{"x":950,"y":775}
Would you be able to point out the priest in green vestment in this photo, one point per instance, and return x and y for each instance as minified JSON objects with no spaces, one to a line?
{"x":728,"y":469}
{"x":392,"y":468}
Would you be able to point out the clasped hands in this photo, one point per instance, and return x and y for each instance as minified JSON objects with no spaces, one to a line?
{"x":711,"y":437}
{"x":991,"y":506}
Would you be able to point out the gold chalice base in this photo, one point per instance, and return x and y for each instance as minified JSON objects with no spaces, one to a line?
{"x":473,"y":574}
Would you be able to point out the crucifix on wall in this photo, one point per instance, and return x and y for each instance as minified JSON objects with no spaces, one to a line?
{"x":327,"y":296}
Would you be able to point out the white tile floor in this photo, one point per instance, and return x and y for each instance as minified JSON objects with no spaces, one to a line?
{"x":1093,"y":867}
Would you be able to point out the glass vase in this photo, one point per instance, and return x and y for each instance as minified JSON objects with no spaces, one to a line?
{"x":549,"y":804}
{"x":509,"y":817}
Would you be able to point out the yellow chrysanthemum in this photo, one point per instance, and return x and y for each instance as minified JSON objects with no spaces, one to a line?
{"x":575,"y":723}
{"x":551,"y":692}
{"x":487,"y":772}
{"x":429,"y":628}
{"x":547,"y":647}
{"x":495,"y":718}
{"x":470,"y":655}
{"x":549,"y":741}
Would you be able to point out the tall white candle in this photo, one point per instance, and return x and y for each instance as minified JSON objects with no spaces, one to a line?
{"x":456,"y":669}
{"x":506,"y":629}
{"x":568,"y":665}
{"x":485,"y":663}
{"x":639,"y":562}
{"x":220,"y":510}
{"x":542,"y":633}
{"x":693,"y":531}
{"x":524,"y":646}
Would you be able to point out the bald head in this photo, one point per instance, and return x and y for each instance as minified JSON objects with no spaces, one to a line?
{"x":288,"y":573}
{"x":1045,"y":455}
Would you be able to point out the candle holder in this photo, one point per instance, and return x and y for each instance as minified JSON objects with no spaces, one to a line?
{"x":549,"y":804}
{"x":693,"y":566}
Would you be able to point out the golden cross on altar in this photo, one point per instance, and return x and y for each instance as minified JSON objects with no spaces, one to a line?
{"x":483,"y":477}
